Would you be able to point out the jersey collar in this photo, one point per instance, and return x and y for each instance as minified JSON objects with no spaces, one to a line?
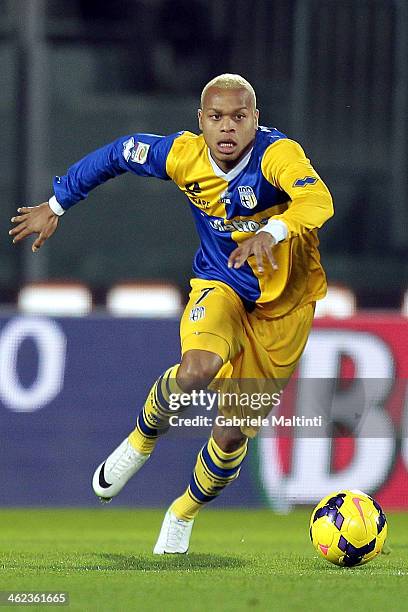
{"x":229,"y":176}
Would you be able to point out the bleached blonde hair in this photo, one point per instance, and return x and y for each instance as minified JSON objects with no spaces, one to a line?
{"x":229,"y":81}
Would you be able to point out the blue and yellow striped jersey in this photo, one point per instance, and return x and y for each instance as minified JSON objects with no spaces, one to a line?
{"x":274,"y":180}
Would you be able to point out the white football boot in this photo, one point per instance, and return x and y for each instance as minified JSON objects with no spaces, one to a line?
{"x":112,"y":475}
{"x":174,"y":535}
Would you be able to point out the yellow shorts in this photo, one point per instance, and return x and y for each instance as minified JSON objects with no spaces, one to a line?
{"x":250,"y":346}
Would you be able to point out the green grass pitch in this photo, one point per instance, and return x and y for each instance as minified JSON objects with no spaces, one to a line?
{"x":239,"y":560}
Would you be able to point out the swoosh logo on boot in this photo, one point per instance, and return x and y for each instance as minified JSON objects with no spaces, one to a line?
{"x":102,"y":482}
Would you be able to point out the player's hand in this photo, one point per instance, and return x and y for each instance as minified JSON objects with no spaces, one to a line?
{"x":34,"y":220}
{"x":259,"y":245}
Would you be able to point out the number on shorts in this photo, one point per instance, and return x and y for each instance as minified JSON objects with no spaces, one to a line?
{"x":204,"y":293}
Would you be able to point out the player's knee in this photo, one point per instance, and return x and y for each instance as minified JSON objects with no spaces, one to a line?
{"x":197,"y":369}
{"x":229,"y":439}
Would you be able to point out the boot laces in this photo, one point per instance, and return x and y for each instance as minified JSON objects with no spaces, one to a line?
{"x":176,"y":531}
{"x":124,"y":462}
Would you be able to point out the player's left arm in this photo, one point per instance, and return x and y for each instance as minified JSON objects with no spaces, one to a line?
{"x":286,"y":166}
{"x":260,"y":246}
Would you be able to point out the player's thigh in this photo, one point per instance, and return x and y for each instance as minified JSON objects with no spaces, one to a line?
{"x":212,"y":320}
{"x":271,"y":354}
{"x":285,"y":339}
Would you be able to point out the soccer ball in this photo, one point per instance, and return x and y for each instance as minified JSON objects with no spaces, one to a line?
{"x":348,"y":528}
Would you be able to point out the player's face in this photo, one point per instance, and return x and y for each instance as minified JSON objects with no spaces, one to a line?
{"x":229,"y":122}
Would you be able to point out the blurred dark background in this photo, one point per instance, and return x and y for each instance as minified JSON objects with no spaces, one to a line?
{"x":332,"y":74}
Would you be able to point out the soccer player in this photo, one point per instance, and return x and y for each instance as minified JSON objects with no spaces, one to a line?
{"x":257,"y":203}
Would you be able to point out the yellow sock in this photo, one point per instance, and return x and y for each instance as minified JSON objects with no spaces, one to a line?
{"x":153,"y":420}
{"x":214,"y":470}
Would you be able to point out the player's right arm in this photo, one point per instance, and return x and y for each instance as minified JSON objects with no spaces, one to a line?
{"x":142,"y":154}
{"x":40,"y":220}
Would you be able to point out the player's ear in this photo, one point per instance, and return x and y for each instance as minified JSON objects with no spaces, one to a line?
{"x":257,"y":118}
{"x":199,"y":115}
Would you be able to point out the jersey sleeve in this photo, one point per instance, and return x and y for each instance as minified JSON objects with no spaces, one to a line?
{"x":142,"y":154}
{"x":286,"y":166}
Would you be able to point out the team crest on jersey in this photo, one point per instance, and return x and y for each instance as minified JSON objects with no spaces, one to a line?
{"x":197,"y":313}
{"x":136,"y":152}
{"x":247,"y":196}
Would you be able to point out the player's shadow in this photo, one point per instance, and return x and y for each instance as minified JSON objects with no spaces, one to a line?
{"x":148,"y":563}
{"x":100,"y":562}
